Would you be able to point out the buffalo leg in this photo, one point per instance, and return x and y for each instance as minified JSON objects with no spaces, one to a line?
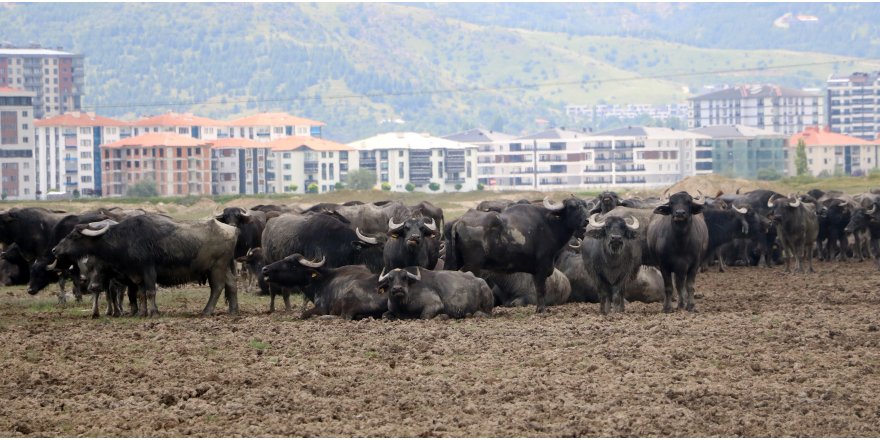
{"x":617,"y":298}
{"x":61,"y":295}
{"x":431,"y":310}
{"x":541,"y":290}
{"x":95,"y":300}
{"x":142,"y":301}
{"x":217,"y":281}
{"x":681,"y":288}
{"x":151,"y":295}
{"x":273,"y":290}
{"x":314,"y":311}
{"x":691,"y":280}
{"x":667,"y":285}
{"x":133,"y":296}
{"x":285,"y":295}
{"x":231,"y":295}
{"x":604,"y":300}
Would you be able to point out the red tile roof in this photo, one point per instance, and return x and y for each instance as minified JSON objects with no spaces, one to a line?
{"x":172,"y":119}
{"x":824,"y":137}
{"x":238,"y":143}
{"x":10,"y":90}
{"x":80,"y":119}
{"x":158,"y":140}
{"x":316,"y":144}
{"x":272,"y":120}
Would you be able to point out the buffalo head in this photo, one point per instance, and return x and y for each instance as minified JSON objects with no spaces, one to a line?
{"x":612,"y":231}
{"x":572,"y":211}
{"x":413,"y":230}
{"x":396,"y":282}
{"x":782,"y":207}
{"x":82,"y":239}
{"x":862,"y":217}
{"x":233,"y":216}
{"x":681,"y":206}
{"x":294,"y":270}
{"x":607,"y":201}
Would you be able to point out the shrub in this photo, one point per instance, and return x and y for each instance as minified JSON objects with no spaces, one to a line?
{"x":313,"y":188}
{"x":768,"y":174}
{"x":292,"y":188}
{"x":434,"y":186}
{"x":339,"y":186}
{"x":144,"y":188}
{"x":480,"y":187}
{"x":361,"y":179}
{"x":410,"y":187}
{"x":458,"y":186}
{"x":386,"y":186}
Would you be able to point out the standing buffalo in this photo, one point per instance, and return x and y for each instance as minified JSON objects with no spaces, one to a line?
{"x":677,"y":241}
{"x":797,"y":227}
{"x":412,"y":242}
{"x":426,"y":294}
{"x":348,"y":291}
{"x":867,"y":218}
{"x":612,"y":254}
{"x":152,"y":249}
{"x":13,"y":267}
{"x":522,"y":238}
{"x":250,"y":225}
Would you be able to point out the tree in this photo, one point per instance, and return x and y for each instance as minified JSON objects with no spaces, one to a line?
{"x":339,"y":186}
{"x":434,"y":186}
{"x":361,"y":179}
{"x":800,"y":160}
{"x":769,"y":174}
{"x":76,"y":194}
{"x":144,"y":188}
{"x":313,"y":188}
{"x":292,"y":188}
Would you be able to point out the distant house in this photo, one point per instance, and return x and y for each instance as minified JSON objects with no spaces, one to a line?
{"x":271,"y":126}
{"x":180,"y":165}
{"x":741,"y":151}
{"x":778,"y":109}
{"x":399,"y":158}
{"x":304,"y":161}
{"x":830,"y":153}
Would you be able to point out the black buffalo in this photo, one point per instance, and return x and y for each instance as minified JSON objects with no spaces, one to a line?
{"x":13,"y":267}
{"x":348,"y":291}
{"x":797,"y":227}
{"x":425,"y":294}
{"x":412,"y":242}
{"x":522,"y":238}
{"x":677,"y":241}
{"x":867,"y":218}
{"x":250,"y":226}
{"x":612,"y":254}
{"x":518,"y":289}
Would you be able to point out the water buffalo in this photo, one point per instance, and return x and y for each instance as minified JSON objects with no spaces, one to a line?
{"x":518,"y":289}
{"x":30,"y":228}
{"x":13,"y":267}
{"x":152,"y":249}
{"x":797,"y":228}
{"x":425,"y":294}
{"x":412,"y":242}
{"x":605,"y":202}
{"x":677,"y":241}
{"x":612,"y":254}
{"x":250,"y":225}
{"x":348,"y":291}
{"x":867,"y":218}
{"x":522,"y":238}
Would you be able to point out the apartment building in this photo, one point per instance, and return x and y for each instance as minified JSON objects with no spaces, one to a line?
{"x":778,"y":109}
{"x":184,"y":124}
{"x":240,"y":166}
{"x":487,"y":142}
{"x":180,"y":165}
{"x":17,"y":144}
{"x":67,"y":151}
{"x":399,"y":158}
{"x":854,"y":104}
{"x":601,"y":112}
{"x":310,"y":164}
{"x":829,"y":153}
{"x":271,"y":126}
{"x":56,"y":77}
{"x":741,"y":151}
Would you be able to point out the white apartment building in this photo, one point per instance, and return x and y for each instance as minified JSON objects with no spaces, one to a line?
{"x":399,"y":158}
{"x":17,"y":144}
{"x":184,"y":124}
{"x":301,"y":162}
{"x":557,"y":159}
{"x":67,"y":153}
{"x":854,"y":104}
{"x":779,"y":109}
{"x":271,"y":126}
{"x":240,"y":166}
{"x":55,"y":76}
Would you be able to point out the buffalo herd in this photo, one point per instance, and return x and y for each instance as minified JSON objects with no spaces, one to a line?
{"x":395,"y":261}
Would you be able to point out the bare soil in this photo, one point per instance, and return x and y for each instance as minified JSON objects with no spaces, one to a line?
{"x":767,"y":354}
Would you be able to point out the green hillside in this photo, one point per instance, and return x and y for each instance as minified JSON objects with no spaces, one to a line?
{"x":354,"y":65}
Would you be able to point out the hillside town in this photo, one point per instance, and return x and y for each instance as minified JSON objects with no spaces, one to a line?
{"x":51,"y":148}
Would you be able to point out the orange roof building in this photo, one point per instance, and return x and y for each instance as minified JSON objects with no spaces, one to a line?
{"x":80,"y":119}
{"x":270,"y":126}
{"x":830,"y":153}
{"x":179,"y":165}
{"x":309,"y":164}
{"x":181,"y":123}
{"x":240,"y":166}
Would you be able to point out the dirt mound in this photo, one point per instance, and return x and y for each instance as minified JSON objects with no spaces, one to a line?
{"x":711,"y":184}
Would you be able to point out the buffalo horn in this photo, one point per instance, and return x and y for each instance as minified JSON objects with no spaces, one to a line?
{"x":244,"y":212}
{"x":796,"y":203}
{"x":552,"y":206}
{"x":700,"y":200}
{"x":432,"y":226}
{"x":594,"y":222}
{"x":383,"y":276}
{"x":52,"y":266}
{"x":770,"y":202}
{"x":314,"y":264}
{"x":104,"y":226}
{"x":416,"y":276}
{"x":576,"y":246}
{"x":634,"y":225}
{"x":392,"y":226}
{"x":741,"y":210}
{"x":872,"y":210}
{"x":364,"y":238}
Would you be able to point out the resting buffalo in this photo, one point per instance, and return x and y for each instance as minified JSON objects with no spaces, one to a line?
{"x":612,"y":254}
{"x":724,"y":226}
{"x":677,"y":241}
{"x":797,"y":227}
{"x":647,"y":287}
{"x":518,"y":289}
{"x":605,"y":202}
{"x":522,"y":238}
{"x":348,"y":291}
{"x":412,"y":242}
{"x":425,"y":294}
{"x":867,"y":218}
{"x":13,"y":267}
{"x":152,"y":249}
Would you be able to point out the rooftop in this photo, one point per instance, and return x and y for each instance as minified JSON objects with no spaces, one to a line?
{"x":407,"y":141}
{"x":237,"y":143}
{"x":17,"y":92}
{"x":19,"y":51}
{"x":479,"y":135}
{"x":756,"y":91}
{"x":172,"y":119}
{"x":557,"y":133}
{"x":813,"y":136}
{"x":79,"y":119}
{"x":292,"y":143}
{"x":651,"y":132}
{"x":158,"y":140}
{"x":272,"y":120}
{"x":735,"y":131}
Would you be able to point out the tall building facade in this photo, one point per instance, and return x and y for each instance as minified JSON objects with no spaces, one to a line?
{"x":184,"y":124}
{"x":17,"y":144}
{"x":310,"y":164}
{"x":239,"y":166}
{"x":67,"y":151}
{"x":56,"y":77}
{"x":745,"y":152}
{"x":399,"y":158}
{"x":854,"y":104}
{"x":830,"y":153}
{"x":271,"y":126}
{"x":778,"y":109}
{"x":180,"y":165}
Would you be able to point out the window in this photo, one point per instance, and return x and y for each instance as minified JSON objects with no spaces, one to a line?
{"x":286,"y":155}
{"x":400,"y":169}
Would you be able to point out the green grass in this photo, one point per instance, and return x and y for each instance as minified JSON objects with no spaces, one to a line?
{"x":257,"y":344}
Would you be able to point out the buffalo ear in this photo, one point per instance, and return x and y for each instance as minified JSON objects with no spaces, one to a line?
{"x":631,"y":234}
{"x":696,"y":209}
{"x":595,"y":233}
{"x":663,"y":210}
